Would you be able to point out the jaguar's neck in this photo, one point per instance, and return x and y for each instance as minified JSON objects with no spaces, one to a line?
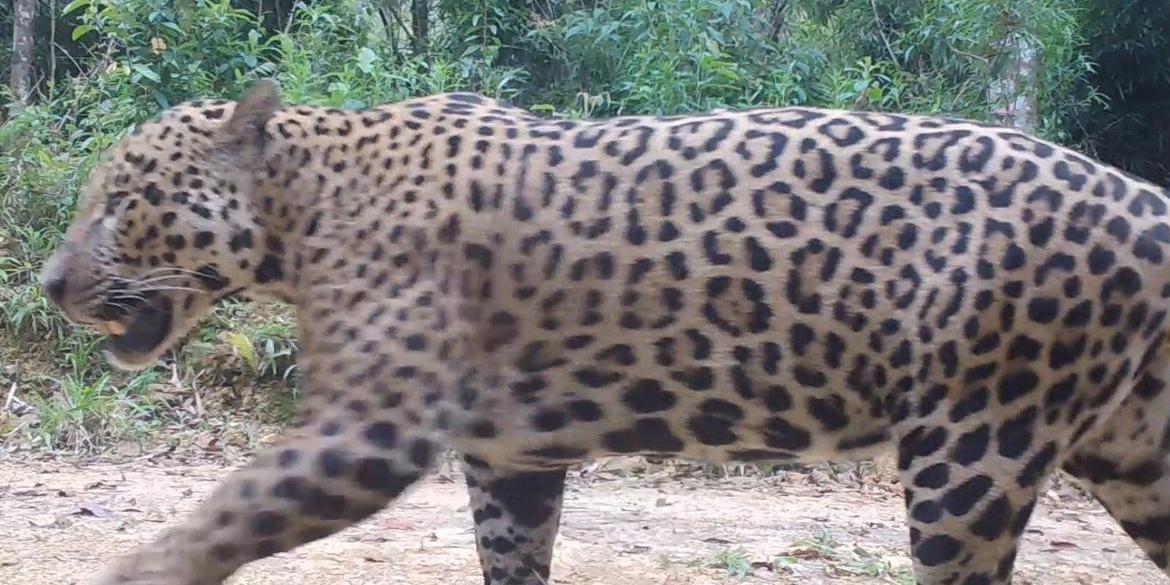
{"x":324,"y":172}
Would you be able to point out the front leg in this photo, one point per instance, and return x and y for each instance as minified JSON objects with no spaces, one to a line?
{"x":366,"y":435}
{"x":328,"y":478}
{"x":517,"y":515}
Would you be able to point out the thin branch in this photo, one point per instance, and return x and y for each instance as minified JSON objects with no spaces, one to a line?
{"x":405,"y":29}
{"x":384,"y":9}
{"x":52,"y":41}
{"x":386,"y":24}
{"x":84,"y":78}
{"x":882,"y":32}
{"x":292,"y":14}
{"x":968,"y":54}
{"x":57,"y":47}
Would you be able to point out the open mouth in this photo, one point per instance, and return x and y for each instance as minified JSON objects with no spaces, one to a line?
{"x":144,"y":332}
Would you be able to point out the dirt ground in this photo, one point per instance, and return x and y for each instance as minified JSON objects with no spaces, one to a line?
{"x":60,"y":520}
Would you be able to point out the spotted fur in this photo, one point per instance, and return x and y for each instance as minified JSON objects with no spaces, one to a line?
{"x":767,"y":285}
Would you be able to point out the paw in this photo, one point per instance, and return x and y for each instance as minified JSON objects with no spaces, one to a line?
{"x":135,"y":569}
{"x":150,"y":566}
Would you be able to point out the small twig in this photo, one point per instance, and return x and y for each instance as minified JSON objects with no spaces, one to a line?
{"x":11,"y":396}
{"x":19,"y":427}
{"x":959,"y":51}
{"x":194,"y":385}
{"x":175,"y":380}
{"x":198,"y":403}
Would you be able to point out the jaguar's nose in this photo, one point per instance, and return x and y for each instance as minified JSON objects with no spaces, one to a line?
{"x":54,"y":288}
{"x":53,"y":281}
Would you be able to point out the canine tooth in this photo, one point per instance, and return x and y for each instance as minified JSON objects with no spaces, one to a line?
{"x":114,"y":327}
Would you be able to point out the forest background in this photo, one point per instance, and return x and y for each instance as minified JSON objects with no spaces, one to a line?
{"x":1090,"y":74}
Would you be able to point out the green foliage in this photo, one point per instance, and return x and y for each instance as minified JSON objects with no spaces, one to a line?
{"x":1130,"y":46}
{"x":123,"y":61}
{"x":665,"y":57}
{"x":941,"y":56}
{"x":329,"y":61}
{"x":87,"y":412}
{"x":161,"y":50}
{"x":37,"y":195}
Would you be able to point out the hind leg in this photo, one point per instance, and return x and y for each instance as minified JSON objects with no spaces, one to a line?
{"x":1125,"y":464}
{"x":516,"y":515}
{"x":970,"y":488}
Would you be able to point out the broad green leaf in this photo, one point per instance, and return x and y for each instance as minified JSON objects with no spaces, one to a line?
{"x":74,"y":5}
{"x":366,"y":59}
{"x":146,"y":72}
{"x":82,"y":31}
{"x":161,"y":99}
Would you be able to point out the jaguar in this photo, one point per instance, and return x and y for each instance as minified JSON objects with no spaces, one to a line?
{"x":764,"y":285}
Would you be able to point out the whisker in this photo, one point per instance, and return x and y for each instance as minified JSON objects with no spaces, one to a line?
{"x":165,"y":269}
{"x":168,"y":287}
{"x":120,"y":306}
{"x":95,"y":296}
{"x":163,"y":278}
{"x":154,"y":278}
{"x":133,"y":296}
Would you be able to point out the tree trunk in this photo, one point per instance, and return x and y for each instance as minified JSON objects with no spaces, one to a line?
{"x":23,"y":15}
{"x":420,"y":21}
{"x":1013,"y":95}
{"x":776,"y":19}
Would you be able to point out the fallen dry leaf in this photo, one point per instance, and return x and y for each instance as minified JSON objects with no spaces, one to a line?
{"x":96,"y":510}
{"x":805,"y":553}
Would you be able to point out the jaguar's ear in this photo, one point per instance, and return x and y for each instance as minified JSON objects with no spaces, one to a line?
{"x":243,"y":134}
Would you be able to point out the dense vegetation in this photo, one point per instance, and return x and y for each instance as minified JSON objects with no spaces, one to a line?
{"x":1094,"y":74}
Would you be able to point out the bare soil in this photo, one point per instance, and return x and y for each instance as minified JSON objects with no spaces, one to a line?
{"x":627,"y":524}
